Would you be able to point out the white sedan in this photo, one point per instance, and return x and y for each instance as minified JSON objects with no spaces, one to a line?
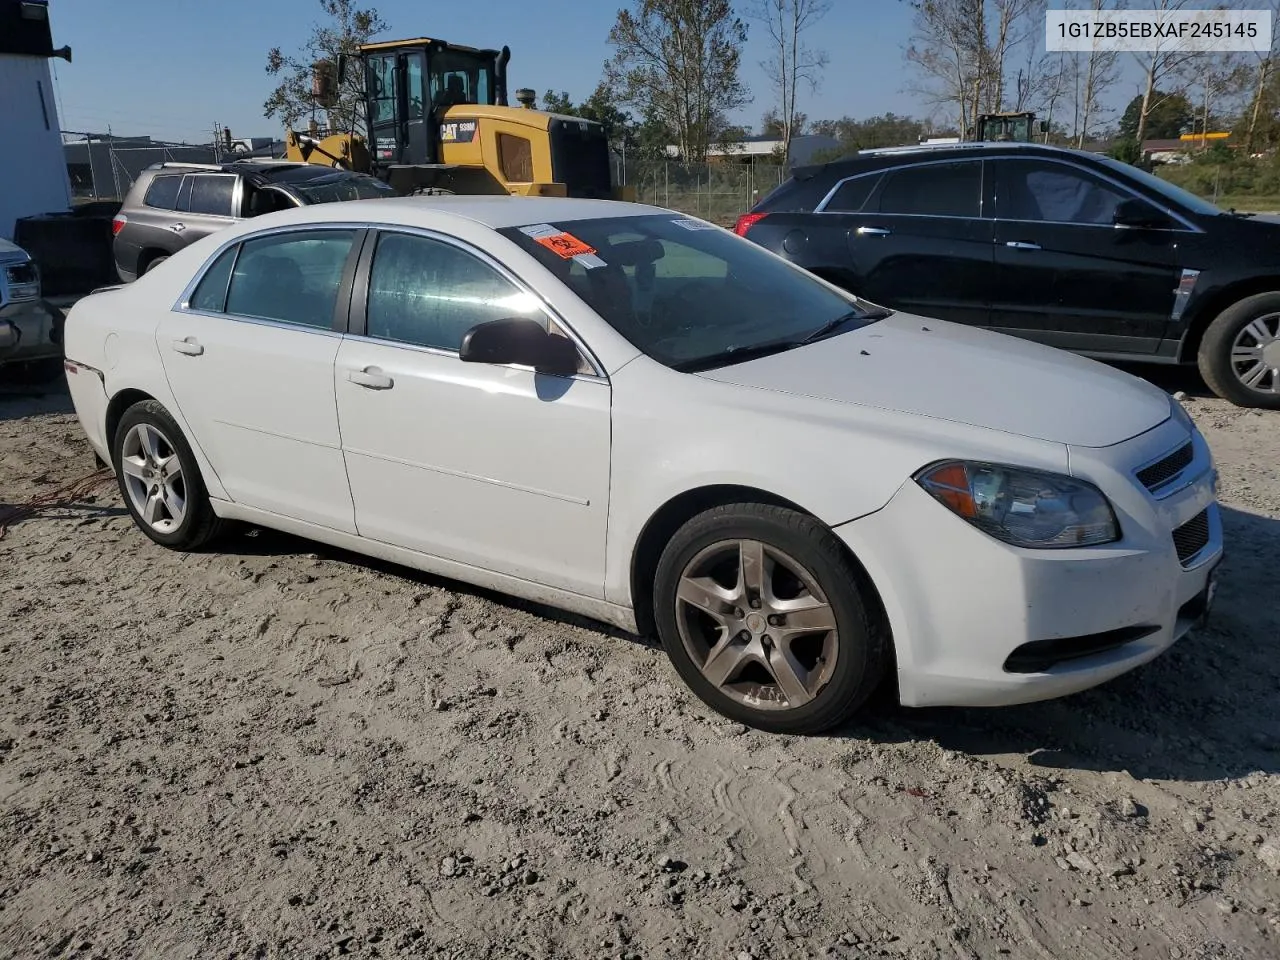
{"x":635,"y":415}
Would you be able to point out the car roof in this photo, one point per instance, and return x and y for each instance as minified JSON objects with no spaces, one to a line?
{"x":885,"y":157}
{"x":493,"y":211}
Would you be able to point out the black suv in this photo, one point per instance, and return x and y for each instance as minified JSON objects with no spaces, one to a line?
{"x":1068,"y":248}
{"x":172,"y":205}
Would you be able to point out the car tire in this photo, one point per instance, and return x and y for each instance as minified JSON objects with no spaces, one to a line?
{"x":1244,"y":326}
{"x":171,"y":506}
{"x":806,"y":580}
{"x":152,"y":264}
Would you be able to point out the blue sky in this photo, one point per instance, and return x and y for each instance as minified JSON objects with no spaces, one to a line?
{"x":173,"y":68}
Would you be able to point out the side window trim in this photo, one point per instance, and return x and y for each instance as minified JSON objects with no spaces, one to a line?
{"x":1096,"y":175}
{"x":884,"y":173}
{"x":359,"y":313}
{"x":342,"y":305}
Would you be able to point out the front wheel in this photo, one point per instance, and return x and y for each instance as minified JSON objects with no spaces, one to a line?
{"x":768,"y":620}
{"x":1239,"y":356}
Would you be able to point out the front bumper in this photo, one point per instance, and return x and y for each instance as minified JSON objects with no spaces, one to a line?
{"x":961,"y":603}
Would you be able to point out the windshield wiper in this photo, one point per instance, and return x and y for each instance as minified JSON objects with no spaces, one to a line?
{"x":831,"y":327}
{"x":739,"y":354}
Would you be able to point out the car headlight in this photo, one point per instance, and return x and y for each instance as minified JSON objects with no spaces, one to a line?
{"x":1025,"y":508}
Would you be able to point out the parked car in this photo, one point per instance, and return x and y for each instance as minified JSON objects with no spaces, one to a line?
{"x":172,"y":205}
{"x":1068,"y":248}
{"x":639,"y":417}
{"x":30,"y":328}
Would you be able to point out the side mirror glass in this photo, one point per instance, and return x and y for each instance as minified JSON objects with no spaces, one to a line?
{"x":9,"y":336}
{"x":1135,"y":214}
{"x":521,"y":341}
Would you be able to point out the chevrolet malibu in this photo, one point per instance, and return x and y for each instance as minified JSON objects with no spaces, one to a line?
{"x":640,"y":417}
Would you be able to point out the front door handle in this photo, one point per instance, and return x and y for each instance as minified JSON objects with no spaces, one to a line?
{"x":190,"y":346}
{"x":873,"y":232}
{"x":370,"y":377}
{"x":1019,"y":245}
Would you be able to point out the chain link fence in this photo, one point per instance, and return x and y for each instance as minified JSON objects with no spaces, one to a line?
{"x":718,"y":192}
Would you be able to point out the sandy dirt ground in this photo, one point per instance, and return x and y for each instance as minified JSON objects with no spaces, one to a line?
{"x":281,"y":750}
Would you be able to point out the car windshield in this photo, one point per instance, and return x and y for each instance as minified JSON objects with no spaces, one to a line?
{"x":339,"y":185}
{"x":1169,"y":191}
{"x":688,"y":294}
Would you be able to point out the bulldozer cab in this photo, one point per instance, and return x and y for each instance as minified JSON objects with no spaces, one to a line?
{"x":1008,"y":127}
{"x":410,"y":84}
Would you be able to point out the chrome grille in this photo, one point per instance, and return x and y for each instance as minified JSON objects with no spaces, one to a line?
{"x":1192,"y":537}
{"x":1156,"y":475}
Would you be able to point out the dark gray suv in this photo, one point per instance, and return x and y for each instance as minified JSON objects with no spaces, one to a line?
{"x":172,"y":205}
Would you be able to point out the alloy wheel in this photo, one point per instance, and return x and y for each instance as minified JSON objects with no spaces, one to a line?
{"x":153,"y":478}
{"x":757,"y":625}
{"x":1255,"y":354}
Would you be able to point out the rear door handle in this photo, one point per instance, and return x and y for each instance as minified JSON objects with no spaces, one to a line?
{"x":1019,"y":245}
{"x":190,"y":346}
{"x":873,"y":232}
{"x":371,"y":377}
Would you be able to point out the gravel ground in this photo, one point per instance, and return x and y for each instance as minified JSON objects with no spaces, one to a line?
{"x":281,"y":750}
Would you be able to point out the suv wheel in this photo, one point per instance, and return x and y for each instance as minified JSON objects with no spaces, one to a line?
{"x":152,"y":264}
{"x":763,"y":614}
{"x":1240,"y":354}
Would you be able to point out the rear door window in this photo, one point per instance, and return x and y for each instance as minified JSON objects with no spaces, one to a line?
{"x":212,"y":194}
{"x":1053,"y":192}
{"x":163,"y":192}
{"x":851,"y":196}
{"x":934,"y":190}
{"x":291,"y":277}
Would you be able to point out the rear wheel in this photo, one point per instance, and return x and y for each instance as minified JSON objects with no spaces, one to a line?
{"x":160,"y":480}
{"x":768,"y":620}
{"x":1239,"y":356}
{"x":155,"y":262}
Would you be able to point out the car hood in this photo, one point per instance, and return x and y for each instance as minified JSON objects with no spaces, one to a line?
{"x":946,"y":371}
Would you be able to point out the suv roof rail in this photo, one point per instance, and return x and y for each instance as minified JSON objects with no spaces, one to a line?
{"x":178,"y":163}
{"x":925,"y":147}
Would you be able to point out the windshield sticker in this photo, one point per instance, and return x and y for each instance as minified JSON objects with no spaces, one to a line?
{"x":589,"y":260}
{"x":565,"y":245}
{"x":694,"y":224}
{"x":540,"y":230}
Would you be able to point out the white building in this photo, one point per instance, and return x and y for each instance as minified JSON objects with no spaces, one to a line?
{"x":35,"y":172}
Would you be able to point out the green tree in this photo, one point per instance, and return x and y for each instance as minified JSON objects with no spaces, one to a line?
{"x":1170,"y":116}
{"x":676,"y":61}
{"x":346,"y":27}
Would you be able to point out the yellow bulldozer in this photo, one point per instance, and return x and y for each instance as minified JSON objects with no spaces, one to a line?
{"x":439,"y":122}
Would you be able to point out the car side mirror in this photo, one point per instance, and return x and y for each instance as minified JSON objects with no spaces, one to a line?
{"x":1136,"y":214}
{"x":522,"y":341}
{"x":9,"y":336}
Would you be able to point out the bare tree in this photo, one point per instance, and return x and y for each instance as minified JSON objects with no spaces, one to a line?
{"x":1163,"y":68}
{"x":791,"y":62}
{"x":1096,"y":72}
{"x":963,"y":48}
{"x":346,"y":28}
{"x":677,"y":61}
{"x":1261,"y":75}
{"x":1215,"y":83}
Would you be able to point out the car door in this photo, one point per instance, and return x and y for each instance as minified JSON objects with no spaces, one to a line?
{"x":1069,"y":277}
{"x":919,"y":242}
{"x":207,"y":202}
{"x":249,"y":356}
{"x":497,"y":467}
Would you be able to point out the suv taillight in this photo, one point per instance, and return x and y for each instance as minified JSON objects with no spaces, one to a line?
{"x":117,"y":223}
{"x":746,"y":222}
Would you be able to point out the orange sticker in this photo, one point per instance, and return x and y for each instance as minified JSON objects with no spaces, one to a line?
{"x":566,"y":245}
